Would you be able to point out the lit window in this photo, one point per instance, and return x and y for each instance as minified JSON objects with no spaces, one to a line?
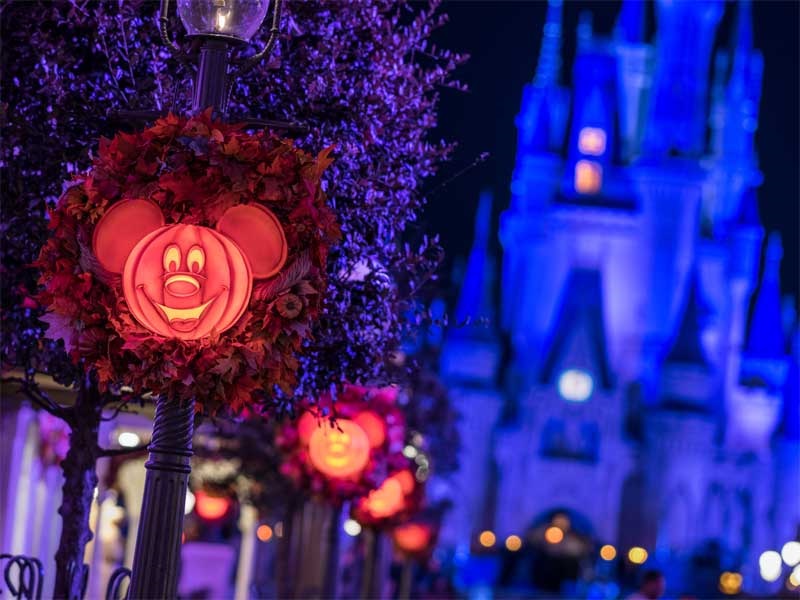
{"x":592,"y":140}
{"x":575,"y":385}
{"x":588,"y":177}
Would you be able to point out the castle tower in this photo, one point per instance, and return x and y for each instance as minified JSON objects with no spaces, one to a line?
{"x":677,"y":120}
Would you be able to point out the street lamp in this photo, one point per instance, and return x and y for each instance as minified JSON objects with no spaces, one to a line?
{"x":220,"y":26}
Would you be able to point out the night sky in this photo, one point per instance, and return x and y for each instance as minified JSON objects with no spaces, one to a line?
{"x":503,"y":41}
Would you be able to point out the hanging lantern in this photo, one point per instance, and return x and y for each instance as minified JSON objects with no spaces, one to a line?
{"x":373,"y":426}
{"x":186,"y":281}
{"x":413,"y":538}
{"x":211,"y":508}
{"x":339,"y":451}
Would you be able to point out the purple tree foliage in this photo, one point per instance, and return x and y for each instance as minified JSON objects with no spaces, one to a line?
{"x":359,"y":75}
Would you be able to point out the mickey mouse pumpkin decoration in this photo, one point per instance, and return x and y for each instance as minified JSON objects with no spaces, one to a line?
{"x":186,"y":281}
{"x":190,"y":262}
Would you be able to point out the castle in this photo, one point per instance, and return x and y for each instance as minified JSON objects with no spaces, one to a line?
{"x":637,"y":378}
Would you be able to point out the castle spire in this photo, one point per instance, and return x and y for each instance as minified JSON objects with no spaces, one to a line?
{"x":549,"y":66}
{"x":630,"y":23}
{"x":476,"y":300}
{"x":742,"y":48}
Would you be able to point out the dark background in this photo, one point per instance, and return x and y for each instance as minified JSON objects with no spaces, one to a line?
{"x":503,"y":39}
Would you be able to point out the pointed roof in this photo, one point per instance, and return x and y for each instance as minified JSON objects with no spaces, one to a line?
{"x":578,"y":332}
{"x":765,"y":337}
{"x":688,"y":348}
{"x":630,"y":23}
{"x":742,"y":48}
{"x":548,"y":68}
{"x":476,"y":300}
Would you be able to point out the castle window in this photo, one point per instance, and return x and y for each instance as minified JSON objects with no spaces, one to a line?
{"x":592,"y":141}
{"x":575,"y":385}
{"x":588,"y":177}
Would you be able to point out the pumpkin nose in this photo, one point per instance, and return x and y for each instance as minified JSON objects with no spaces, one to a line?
{"x":182,"y":285}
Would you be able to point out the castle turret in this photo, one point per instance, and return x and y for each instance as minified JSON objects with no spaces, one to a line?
{"x":677,"y":119}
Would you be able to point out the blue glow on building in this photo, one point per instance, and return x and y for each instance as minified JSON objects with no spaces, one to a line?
{"x":632,"y":253}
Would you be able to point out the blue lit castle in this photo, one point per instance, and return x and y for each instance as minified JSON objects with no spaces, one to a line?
{"x":637,"y":389}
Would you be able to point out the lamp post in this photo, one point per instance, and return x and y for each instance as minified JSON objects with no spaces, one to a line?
{"x":220,"y":25}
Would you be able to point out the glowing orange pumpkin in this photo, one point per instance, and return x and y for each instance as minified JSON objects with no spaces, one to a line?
{"x":339,"y":451}
{"x":386,"y":501}
{"x":373,"y":426}
{"x":187,"y":281}
{"x":413,"y":537}
{"x":211,"y":508}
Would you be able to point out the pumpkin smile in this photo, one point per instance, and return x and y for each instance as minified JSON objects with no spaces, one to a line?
{"x":181,"y":319}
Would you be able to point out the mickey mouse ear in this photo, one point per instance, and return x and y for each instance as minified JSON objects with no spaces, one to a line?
{"x":121,"y":228}
{"x":260,"y":236}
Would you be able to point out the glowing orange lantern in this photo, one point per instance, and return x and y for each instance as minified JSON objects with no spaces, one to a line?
{"x":373,"y":426}
{"x":211,"y":508}
{"x":187,"y":281}
{"x":386,"y":501}
{"x":339,"y":451}
{"x":413,"y":537}
{"x":306,"y":425}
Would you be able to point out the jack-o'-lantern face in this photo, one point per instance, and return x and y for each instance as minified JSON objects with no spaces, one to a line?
{"x":186,"y":281}
{"x":340,"y":451}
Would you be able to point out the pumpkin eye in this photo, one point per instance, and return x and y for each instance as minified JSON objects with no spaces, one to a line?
{"x":196,"y":259}
{"x":172,"y":258}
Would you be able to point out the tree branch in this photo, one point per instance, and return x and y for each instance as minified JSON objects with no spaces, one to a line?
{"x":34,"y":393}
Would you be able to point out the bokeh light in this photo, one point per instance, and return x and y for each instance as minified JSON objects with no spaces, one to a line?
{"x":770,"y":565}
{"x":487,"y":539}
{"x":264,"y":533}
{"x":211,"y":508}
{"x":637,"y":555}
{"x":608,"y":552}
{"x":730,"y":583}
{"x":790,"y":553}
{"x":553,"y":535}
{"x":352,"y":527}
{"x":513,"y":543}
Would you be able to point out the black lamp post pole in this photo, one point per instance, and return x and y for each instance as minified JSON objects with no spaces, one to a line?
{"x":157,"y":558}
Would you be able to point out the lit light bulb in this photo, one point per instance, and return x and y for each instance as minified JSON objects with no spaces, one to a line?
{"x":487,"y":539}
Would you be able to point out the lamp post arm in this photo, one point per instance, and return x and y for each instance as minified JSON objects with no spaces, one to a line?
{"x":248,"y":63}
{"x":163,"y":28}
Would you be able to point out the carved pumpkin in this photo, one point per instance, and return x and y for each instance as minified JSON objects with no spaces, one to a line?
{"x":386,"y":501}
{"x":187,"y":281}
{"x":373,"y":426}
{"x":413,"y":538}
{"x":339,"y":451}
{"x":211,"y":508}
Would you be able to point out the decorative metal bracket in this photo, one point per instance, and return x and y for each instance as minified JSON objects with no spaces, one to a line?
{"x":27,"y":585}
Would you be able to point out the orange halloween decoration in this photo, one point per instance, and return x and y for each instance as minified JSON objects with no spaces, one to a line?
{"x":373,"y":426}
{"x":187,"y":281}
{"x":413,"y":537}
{"x":339,"y":451}
{"x":386,"y":501}
{"x":306,"y":425}
{"x":211,"y":508}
